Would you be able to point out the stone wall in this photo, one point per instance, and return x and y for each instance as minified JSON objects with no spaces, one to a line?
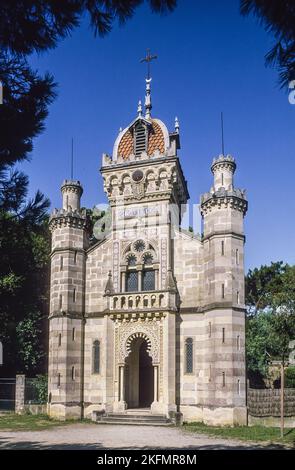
{"x":264,"y":403}
{"x":20,"y":394}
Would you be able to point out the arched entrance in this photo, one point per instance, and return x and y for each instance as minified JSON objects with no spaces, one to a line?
{"x":139,"y":379}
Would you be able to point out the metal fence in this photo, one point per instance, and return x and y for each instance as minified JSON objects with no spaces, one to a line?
{"x":7,"y":394}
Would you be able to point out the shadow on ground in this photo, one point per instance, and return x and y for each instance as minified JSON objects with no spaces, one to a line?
{"x":6,"y":444}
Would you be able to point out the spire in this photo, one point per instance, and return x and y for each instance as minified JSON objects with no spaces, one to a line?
{"x":148,"y":100}
{"x":170,"y":282}
{"x":176,"y":125}
{"x":139,"y":109}
{"x":109,"y":288}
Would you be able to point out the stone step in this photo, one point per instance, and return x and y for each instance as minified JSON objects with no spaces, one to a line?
{"x":148,"y":417}
{"x":135,"y":423}
{"x":123,"y":418}
{"x":138,"y":411}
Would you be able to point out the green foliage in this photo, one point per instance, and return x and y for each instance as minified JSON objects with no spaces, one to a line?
{"x":26,"y":97}
{"x":244,"y":433}
{"x":28,"y":332}
{"x":261,"y":284}
{"x":278,"y":18}
{"x":290,"y":377}
{"x":257,"y":343}
{"x":29,"y":422}
{"x":270,"y":324}
{"x":41,"y":386}
{"x":38,"y":25}
{"x":24,"y":254}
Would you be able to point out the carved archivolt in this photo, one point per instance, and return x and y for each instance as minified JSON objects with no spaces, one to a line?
{"x":150,"y":331}
{"x":133,"y":337}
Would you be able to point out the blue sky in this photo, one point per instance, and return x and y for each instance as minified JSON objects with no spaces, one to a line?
{"x":209,"y":59}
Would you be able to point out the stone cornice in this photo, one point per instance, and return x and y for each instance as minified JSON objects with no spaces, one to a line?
{"x":160,"y":311}
{"x":222,"y":233}
{"x":130,"y":199}
{"x":136,"y":163}
{"x":66,"y":248}
{"x":213,"y":306}
{"x":64,"y":314}
{"x":234,"y":199}
{"x":130,"y":313}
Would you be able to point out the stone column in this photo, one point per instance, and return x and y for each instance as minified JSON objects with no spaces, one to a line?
{"x":140,"y":280}
{"x":123,"y":281}
{"x":120,"y":406}
{"x":121,"y":383}
{"x":157,"y":407}
{"x":156,"y":279}
{"x":155,"y":383}
{"x":20,"y":394}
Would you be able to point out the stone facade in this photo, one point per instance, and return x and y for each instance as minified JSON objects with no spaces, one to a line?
{"x":150,"y":315}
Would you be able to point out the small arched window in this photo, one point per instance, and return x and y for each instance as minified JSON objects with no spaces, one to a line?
{"x":148,"y":259}
{"x":131,"y":260}
{"x":96,"y":356}
{"x":189,"y":359}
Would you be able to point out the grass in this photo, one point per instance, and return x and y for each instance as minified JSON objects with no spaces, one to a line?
{"x":245,"y":433}
{"x":28,"y":422}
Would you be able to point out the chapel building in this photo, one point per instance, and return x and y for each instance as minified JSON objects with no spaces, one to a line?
{"x":149,"y":317}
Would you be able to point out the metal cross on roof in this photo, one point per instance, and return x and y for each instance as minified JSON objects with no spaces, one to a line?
{"x":148,"y":58}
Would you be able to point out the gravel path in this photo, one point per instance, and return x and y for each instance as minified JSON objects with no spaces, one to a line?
{"x":109,"y":436}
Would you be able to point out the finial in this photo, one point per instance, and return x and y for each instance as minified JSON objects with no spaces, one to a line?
{"x":176,"y":125}
{"x":148,"y":100}
{"x":148,"y":103}
{"x":72,"y":159}
{"x":222,"y":135}
{"x":120,"y":130}
{"x":139,"y":108}
{"x":148,"y":58}
{"x":109,"y":288}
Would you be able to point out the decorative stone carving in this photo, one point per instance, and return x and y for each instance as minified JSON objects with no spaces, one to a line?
{"x":127,"y":332}
{"x":116,"y":266}
{"x":138,"y":190}
{"x":163,"y":261}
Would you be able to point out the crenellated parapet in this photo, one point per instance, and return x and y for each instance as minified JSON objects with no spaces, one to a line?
{"x":223,"y":194}
{"x":223,"y":162}
{"x":62,"y":218}
{"x":222,"y":198}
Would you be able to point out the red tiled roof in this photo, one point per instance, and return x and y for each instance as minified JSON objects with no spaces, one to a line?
{"x":156,"y":142}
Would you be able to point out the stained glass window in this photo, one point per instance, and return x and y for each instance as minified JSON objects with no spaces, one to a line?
{"x":148,"y":280}
{"x":131,"y":281}
{"x":96,"y":356}
{"x":189,"y":359}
